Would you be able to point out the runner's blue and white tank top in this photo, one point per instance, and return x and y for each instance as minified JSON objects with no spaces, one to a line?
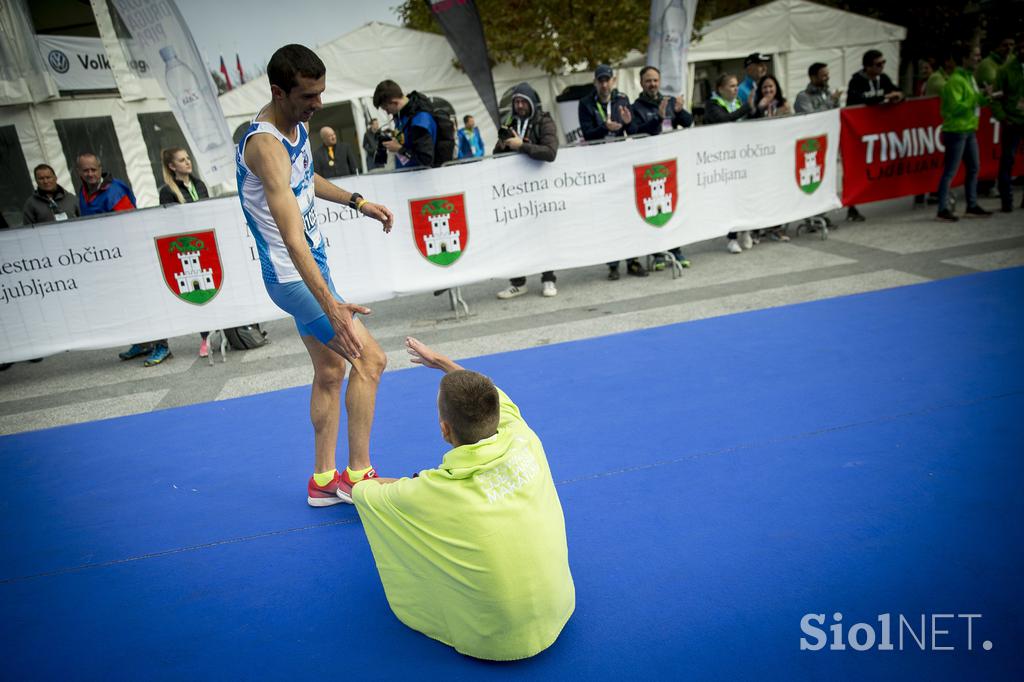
{"x":275,"y":262}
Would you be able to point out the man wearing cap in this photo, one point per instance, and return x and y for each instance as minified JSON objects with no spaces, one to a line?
{"x":606,"y":114}
{"x":756,"y":65}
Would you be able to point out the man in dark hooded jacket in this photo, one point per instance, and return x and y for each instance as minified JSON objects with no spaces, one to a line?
{"x":528,"y":130}
{"x":415,"y":128}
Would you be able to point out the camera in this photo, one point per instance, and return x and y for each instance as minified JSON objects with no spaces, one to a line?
{"x":505,"y":133}
{"x":382,"y":137}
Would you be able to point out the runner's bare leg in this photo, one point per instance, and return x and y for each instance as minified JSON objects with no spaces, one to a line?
{"x":325,"y":401}
{"x":360,"y":397}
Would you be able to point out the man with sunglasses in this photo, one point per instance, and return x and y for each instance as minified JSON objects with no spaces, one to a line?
{"x":870,"y":86}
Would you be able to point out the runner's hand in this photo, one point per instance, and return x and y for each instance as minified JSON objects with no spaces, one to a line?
{"x":341,"y":318}
{"x":379,"y":212}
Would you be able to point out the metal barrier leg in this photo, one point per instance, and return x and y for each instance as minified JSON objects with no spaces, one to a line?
{"x":457,"y":302}
{"x":677,"y":267}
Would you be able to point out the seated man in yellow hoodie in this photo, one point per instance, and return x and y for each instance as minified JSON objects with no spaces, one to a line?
{"x":473,"y":553}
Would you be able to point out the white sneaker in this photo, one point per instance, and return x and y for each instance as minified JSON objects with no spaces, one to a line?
{"x":746,"y":241}
{"x":549,"y":289}
{"x":733,"y":246}
{"x":512,"y":292}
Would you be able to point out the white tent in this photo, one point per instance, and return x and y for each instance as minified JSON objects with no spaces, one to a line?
{"x":416,"y":60}
{"x":355,"y":62}
{"x":797,"y":33}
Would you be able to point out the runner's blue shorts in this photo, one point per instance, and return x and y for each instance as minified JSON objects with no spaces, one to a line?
{"x":297,"y":300}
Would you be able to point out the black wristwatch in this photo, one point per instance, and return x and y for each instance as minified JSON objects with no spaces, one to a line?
{"x":354,"y":200}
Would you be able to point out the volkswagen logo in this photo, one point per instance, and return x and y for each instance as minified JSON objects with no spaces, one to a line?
{"x":58,"y":61}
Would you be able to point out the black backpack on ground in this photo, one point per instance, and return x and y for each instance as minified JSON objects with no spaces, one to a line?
{"x":246,"y":337}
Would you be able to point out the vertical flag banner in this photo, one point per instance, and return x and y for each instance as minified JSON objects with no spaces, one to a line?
{"x":162,"y":39}
{"x":461,"y":23}
{"x":668,"y":42}
{"x":241,"y":73}
{"x":224,"y":72}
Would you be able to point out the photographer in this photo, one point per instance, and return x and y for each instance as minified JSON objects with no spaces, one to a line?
{"x":415,"y":130}
{"x":528,"y":129}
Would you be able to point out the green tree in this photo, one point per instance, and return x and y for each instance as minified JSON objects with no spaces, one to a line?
{"x":554,"y":35}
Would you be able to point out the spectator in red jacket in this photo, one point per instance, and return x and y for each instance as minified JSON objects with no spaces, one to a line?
{"x":101,"y":193}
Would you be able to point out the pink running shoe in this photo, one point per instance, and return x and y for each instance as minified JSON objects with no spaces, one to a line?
{"x":345,"y":485}
{"x":327,"y":495}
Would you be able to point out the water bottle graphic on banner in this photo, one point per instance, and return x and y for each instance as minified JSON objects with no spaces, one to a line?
{"x":182,"y":83}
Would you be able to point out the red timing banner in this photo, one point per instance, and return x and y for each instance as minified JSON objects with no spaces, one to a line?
{"x":891,"y":151}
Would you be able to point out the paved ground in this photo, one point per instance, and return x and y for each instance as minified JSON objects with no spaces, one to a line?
{"x":896,"y":246}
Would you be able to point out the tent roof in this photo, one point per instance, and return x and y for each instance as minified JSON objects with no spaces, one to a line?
{"x":358,"y":60}
{"x":789,"y":25}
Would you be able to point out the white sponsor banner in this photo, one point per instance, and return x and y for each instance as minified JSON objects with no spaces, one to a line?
{"x":668,"y":42}
{"x":81,"y":63}
{"x":161,"y":272}
{"x":162,"y":39}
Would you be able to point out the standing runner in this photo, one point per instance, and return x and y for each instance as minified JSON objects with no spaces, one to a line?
{"x":277,"y":185}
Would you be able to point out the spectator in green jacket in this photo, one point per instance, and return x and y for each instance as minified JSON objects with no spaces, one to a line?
{"x":988,"y":69}
{"x":1009,"y":110}
{"x":937,"y":81}
{"x":960,"y":101}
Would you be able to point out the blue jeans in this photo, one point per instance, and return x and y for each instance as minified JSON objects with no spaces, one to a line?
{"x":965,"y":146}
{"x":1012,"y":136}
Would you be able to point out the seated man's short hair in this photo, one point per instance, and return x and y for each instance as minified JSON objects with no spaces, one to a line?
{"x":468,"y":401}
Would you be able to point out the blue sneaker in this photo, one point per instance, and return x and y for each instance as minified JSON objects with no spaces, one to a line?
{"x":159,"y":354}
{"x":135,"y":351}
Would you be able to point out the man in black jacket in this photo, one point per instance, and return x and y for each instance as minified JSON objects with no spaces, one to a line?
{"x":528,"y":130}
{"x":606,"y":113}
{"x":334,"y":159}
{"x":415,"y":129}
{"x":870,"y":86}
{"x":49,"y":202}
{"x":652,"y":113}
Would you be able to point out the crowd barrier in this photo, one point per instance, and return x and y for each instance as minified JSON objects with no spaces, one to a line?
{"x":153,"y":273}
{"x":895,"y":151}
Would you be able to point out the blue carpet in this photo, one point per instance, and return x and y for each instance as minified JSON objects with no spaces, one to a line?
{"x":720,"y":479}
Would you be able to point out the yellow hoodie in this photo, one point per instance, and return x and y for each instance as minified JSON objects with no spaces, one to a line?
{"x":473,"y":553}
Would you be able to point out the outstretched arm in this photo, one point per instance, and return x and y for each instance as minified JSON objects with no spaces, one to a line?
{"x":324,"y":189}
{"x":422,"y":354}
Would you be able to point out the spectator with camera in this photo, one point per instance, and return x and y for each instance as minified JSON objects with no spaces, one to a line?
{"x":528,"y":130}
{"x":415,"y":132}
